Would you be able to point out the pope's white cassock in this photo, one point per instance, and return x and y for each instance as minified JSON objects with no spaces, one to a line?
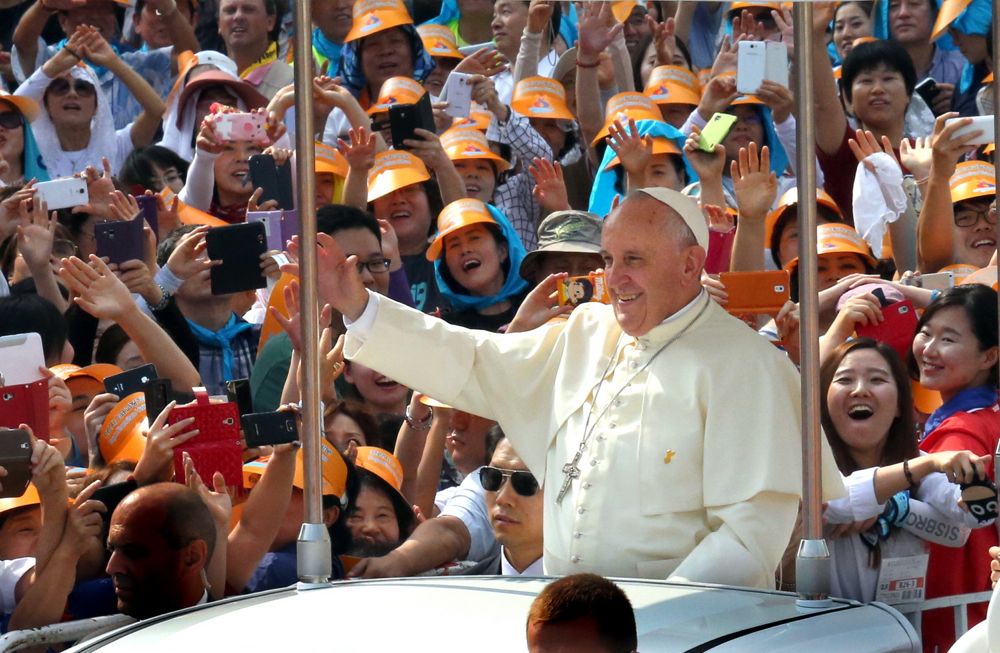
{"x":691,"y":468}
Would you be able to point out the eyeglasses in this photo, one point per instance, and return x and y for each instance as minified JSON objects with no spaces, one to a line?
{"x":375,"y":266}
{"x":969,"y":217}
{"x":524,"y":483}
{"x":11,"y":120}
{"x":61,"y":86}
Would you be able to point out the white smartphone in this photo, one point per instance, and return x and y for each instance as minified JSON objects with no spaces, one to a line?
{"x":63,"y":193}
{"x":979,"y":123}
{"x":751,"y":65}
{"x":458,"y":93}
{"x":469,"y":50}
{"x":932,"y":281}
{"x":776,"y":62}
{"x":20,"y":357}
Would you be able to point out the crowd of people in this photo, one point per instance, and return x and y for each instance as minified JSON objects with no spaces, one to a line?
{"x":530,"y":360}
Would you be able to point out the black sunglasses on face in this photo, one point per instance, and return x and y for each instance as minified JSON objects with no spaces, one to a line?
{"x":61,"y":86}
{"x":10,"y":120}
{"x":524,"y":483}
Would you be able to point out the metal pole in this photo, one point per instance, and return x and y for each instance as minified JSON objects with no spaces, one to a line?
{"x":812,"y":564}
{"x":314,"y":562}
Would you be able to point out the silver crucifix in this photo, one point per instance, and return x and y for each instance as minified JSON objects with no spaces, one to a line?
{"x":570,"y":470}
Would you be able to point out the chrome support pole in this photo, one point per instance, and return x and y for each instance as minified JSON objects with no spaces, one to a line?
{"x":314,"y":561}
{"x":812,"y":563}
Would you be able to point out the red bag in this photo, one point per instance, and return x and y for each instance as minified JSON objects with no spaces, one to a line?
{"x":216,"y":448}
{"x":26,"y":404}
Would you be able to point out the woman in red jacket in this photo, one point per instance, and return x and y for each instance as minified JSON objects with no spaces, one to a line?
{"x":955,"y":353}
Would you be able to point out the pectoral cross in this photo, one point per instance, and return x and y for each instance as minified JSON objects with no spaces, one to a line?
{"x":570,"y":470}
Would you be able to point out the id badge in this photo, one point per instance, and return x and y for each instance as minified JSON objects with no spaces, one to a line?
{"x":901,"y":580}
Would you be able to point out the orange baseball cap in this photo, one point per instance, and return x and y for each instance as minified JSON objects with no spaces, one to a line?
{"x":371,"y":16}
{"x":330,"y":160}
{"x":439,"y":41}
{"x":625,"y":106}
{"x":29,"y":498}
{"x":661,"y":145}
{"x":622,"y":9}
{"x":394,"y":169}
{"x":479,"y":118}
{"x":465,"y":143}
{"x":397,"y":90}
{"x":27,"y":106}
{"x":960,"y":271}
{"x":540,"y":97}
{"x":972,"y":180}
{"x":986,"y":276}
{"x":790,"y":198}
{"x":457,"y":215}
{"x":85,"y":380}
{"x":740,"y":6}
{"x":948,"y":11}
{"x":332,"y":468}
{"x":122,"y":435}
{"x":381,"y":463}
{"x":836,"y":238}
{"x":673,"y":85}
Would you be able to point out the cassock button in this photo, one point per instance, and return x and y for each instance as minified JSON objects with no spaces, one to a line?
{"x":593,"y":462}
{"x":574,"y":559}
{"x":586,"y":485}
{"x":641,"y":346}
{"x":617,"y":403}
{"x":633,"y":365}
{"x":577,"y":534}
{"x":581,"y":510}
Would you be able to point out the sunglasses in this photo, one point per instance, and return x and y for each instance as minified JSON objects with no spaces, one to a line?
{"x":10,"y":120}
{"x":492,"y":478}
{"x":61,"y":86}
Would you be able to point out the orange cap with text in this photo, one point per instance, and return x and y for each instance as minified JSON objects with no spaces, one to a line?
{"x":790,"y":198}
{"x":972,"y":180}
{"x":371,"y":16}
{"x":439,"y":41}
{"x":628,"y":105}
{"x":394,"y":169}
{"x":381,"y":463}
{"x":673,"y":85}
{"x":479,"y":118}
{"x":397,"y":90}
{"x":29,"y":498}
{"x":836,"y":238}
{"x":457,"y":215}
{"x":540,"y":97}
{"x":122,"y":435}
{"x":467,"y":143}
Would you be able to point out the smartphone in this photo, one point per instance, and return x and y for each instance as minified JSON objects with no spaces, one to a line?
{"x":756,"y":292}
{"x":63,"y":193}
{"x":26,"y":403}
{"x":751,"y":64}
{"x":404,"y":119}
{"x":159,"y":393}
{"x":20,"y":357}
{"x":239,"y":247}
{"x":982,"y":124}
{"x":238,"y":392}
{"x":120,"y":240}
{"x":458,"y":93}
{"x":261,"y":429}
{"x":15,"y":457}
{"x":289,"y":225}
{"x":928,"y":90}
{"x":131,"y":381}
{"x":272,"y":227}
{"x":716,"y":131}
{"x":776,"y":62}
{"x":896,"y":329}
{"x":264,"y":174}
{"x":932,"y":281}
{"x":241,"y":127}
{"x":593,"y":287}
{"x":149,"y":212}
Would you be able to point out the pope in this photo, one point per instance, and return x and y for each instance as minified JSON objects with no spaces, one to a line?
{"x":664,"y":431}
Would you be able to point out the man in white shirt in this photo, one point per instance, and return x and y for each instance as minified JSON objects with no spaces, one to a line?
{"x":666,"y":432}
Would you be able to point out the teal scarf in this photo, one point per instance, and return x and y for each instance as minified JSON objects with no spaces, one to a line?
{"x":221,"y":339}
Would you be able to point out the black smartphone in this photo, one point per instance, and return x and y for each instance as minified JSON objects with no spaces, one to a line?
{"x":159,"y":393}
{"x":264,"y":175}
{"x":286,"y":198}
{"x":149,"y":212}
{"x":404,"y":119}
{"x":238,"y":391}
{"x":15,"y":457}
{"x":131,"y":381}
{"x":928,"y":90}
{"x":261,"y":429}
{"x":119,"y":240}
{"x":239,"y":247}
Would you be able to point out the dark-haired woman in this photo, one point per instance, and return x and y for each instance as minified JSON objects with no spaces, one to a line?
{"x":955,"y":353}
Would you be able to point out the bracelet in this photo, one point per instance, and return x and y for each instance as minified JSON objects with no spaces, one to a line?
{"x":588,"y":65}
{"x":72,"y":52}
{"x":908,"y":474}
{"x":423,"y":424}
{"x":164,"y":300}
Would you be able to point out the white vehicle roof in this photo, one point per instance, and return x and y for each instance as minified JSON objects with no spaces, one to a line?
{"x":488,"y":613}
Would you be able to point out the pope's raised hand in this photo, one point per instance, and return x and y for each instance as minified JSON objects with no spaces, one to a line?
{"x":338,"y":279}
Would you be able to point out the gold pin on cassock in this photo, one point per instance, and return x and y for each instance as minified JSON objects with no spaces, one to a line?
{"x":669,"y":456}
